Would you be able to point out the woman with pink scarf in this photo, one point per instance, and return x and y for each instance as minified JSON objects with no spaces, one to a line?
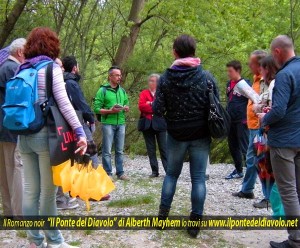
{"x":182,"y":98}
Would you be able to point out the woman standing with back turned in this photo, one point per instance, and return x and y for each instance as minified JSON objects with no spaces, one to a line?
{"x":182,"y":98}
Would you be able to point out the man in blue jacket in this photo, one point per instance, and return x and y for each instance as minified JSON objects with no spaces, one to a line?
{"x":284,"y":134}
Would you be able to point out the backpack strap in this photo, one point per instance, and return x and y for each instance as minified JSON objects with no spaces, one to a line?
{"x":49,"y":80}
{"x":42,"y":64}
{"x":104,"y":90}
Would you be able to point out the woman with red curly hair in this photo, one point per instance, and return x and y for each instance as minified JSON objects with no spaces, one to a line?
{"x":39,"y":190}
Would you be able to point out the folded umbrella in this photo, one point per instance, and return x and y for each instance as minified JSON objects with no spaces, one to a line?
{"x":83,"y":180}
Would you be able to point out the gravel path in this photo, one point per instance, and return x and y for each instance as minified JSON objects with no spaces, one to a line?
{"x":218,"y":202}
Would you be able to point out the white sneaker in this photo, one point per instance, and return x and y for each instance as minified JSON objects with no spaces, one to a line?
{"x":71,"y":200}
{"x":63,"y":245}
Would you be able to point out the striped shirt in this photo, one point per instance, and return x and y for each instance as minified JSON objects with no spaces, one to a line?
{"x":60,"y":96}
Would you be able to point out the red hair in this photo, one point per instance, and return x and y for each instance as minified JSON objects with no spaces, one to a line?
{"x":42,"y":41}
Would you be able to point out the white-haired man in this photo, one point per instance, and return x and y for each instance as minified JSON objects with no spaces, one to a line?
{"x":10,"y":162}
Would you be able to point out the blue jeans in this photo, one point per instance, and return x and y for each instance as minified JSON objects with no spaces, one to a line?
{"x":251,"y":171}
{"x":198,"y":151}
{"x":116,"y":134}
{"x":89,"y":137}
{"x":39,"y":190}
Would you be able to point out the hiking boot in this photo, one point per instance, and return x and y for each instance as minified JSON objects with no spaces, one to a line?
{"x":154,"y":175}
{"x":123,"y":178}
{"x":284,"y":244}
{"x":235,"y":175}
{"x":67,"y":205}
{"x":241,"y":194}
{"x":194,"y":231}
{"x":264,"y":203}
{"x":163,"y":214}
{"x":63,"y":245}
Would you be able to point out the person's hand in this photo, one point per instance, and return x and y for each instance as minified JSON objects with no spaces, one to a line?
{"x":93,"y":127}
{"x":126,"y":108}
{"x":266,"y":109}
{"x":115,"y":110}
{"x":82,"y":146}
{"x":261,"y":116}
{"x":257,"y":108}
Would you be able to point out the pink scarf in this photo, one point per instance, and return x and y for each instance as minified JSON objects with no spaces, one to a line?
{"x":189,"y":62}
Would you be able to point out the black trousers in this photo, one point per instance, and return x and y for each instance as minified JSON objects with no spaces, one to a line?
{"x":151,"y":136}
{"x":238,"y":140}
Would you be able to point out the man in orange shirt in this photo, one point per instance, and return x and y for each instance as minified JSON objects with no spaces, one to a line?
{"x":253,"y":125}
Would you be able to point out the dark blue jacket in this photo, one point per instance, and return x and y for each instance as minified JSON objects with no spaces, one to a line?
{"x":7,"y":71}
{"x":77,"y":98}
{"x":182,"y":98}
{"x":284,"y":117}
{"x":236,"y":104}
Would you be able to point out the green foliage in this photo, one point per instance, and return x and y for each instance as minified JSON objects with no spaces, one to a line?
{"x":92,"y":31}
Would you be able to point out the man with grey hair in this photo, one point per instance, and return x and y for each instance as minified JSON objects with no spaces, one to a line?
{"x":253,"y":125}
{"x":154,"y":128}
{"x":10,"y":162}
{"x":284,"y":133}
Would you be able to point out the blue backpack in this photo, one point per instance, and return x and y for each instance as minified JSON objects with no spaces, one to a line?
{"x":23,"y":113}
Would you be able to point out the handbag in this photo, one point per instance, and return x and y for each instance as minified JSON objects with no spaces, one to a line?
{"x":62,"y":139}
{"x":159,"y":124}
{"x":143,"y":124}
{"x":218,"y":118}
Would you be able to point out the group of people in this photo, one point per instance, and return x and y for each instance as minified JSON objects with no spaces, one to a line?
{"x":244,"y":106}
{"x":174,"y":114}
{"x":271,"y":104}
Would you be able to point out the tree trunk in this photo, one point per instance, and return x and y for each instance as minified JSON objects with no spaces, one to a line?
{"x":127,"y":42}
{"x":10,"y":20}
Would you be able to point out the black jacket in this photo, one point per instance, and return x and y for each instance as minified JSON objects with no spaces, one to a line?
{"x":77,"y":98}
{"x":182,"y":98}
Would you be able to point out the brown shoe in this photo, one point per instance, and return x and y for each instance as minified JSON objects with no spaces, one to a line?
{"x":123,"y":178}
{"x":105,"y":198}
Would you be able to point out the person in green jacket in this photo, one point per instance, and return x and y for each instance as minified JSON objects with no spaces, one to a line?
{"x":111,"y":102}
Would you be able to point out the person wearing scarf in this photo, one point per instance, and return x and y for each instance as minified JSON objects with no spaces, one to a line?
{"x":182,"y":98}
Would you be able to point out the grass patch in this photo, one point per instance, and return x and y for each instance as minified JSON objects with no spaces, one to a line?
{"x":131,"y":202}
{"x":75,"y":243}
{"x":22,"y":234}
{"x":88,"y":232}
